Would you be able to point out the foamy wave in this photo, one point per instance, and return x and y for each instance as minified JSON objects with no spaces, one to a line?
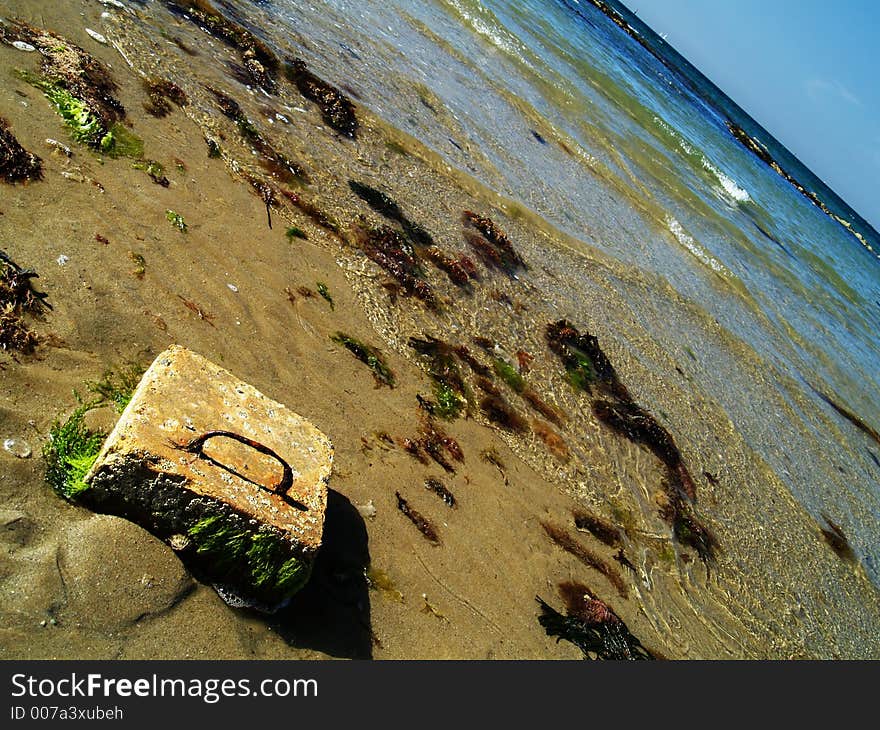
{"x":496,"y":35}
{"x":733,"y":191}
{"x":729,"y":188}
{"x":695,"y":248}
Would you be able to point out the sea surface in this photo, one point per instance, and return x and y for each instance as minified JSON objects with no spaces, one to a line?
{"x":554,"y":106}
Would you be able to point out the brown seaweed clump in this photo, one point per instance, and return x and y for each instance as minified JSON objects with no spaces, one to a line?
{"x":492,"y":245}
{"x":600,"y":529}
{"x":17,"y":298}
{"x":500,"y":412}
{"x":559,"y":536}
{"x":258,"y":60}
{"x":591,"y":625}
{"x":837,"y":540}
{"x":440,"y":489}
{"x":588,"y":368}
{"x":69,"y":71}
{"x":585,"y":363}
{"x":16,"y":163}
{"x":271,"y":160}
{"x":160,"y":92}
{"x":337,"y":111}
{"x":423,"y":526}
{"x":434,"y":443}
{"x":385,"y":206}
{"x":387,"y":248}
{"x":450,"y":391}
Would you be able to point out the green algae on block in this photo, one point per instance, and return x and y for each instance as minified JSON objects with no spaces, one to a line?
{"x":370,"y":356}
{"x":70,"y":452}
{"x":260,"y":559}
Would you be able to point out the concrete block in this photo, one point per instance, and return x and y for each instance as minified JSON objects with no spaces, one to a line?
{"x":230,"y":478}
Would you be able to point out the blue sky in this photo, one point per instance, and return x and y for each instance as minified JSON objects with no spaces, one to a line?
{"x":807,"y":70}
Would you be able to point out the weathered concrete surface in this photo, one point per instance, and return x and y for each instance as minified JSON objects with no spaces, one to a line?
{"x":144,"y":472}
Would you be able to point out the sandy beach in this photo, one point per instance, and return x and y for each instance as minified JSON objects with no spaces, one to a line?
{"x":124,"y":283}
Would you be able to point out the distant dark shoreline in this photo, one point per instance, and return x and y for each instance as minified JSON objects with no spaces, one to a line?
{"x":750,"y":143}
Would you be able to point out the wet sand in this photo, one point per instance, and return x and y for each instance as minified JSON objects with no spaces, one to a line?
{"x":79,"y":585}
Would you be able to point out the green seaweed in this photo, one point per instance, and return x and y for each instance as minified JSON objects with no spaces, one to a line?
{"x":70,"y":452}
{"x":213,"y":148}
{"x":84,"y":125}
{"x":370,"y":356}
{"x":176,"y":220}
{"x":117,"y":386}
{"x":263,"y":557}
{"x":84,"y":122}
{"x":325,"y":294}
{"x":122,"y":142}
{"x":509,"y":375}
{"x":449,"y":404}
{"x":154,"y":169}
{"x":295,"y":232}
{"x":224,"y":543}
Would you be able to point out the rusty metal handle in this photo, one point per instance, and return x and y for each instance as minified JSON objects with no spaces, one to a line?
{"x":196,"y":446}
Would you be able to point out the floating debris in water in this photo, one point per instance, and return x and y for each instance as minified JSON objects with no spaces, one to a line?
{"x":420,"y":522}
{"x":96,"y":36}
{"x":62,"y":260}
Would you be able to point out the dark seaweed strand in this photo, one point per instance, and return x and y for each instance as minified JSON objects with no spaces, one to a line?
{"x":610,"y":640}
{"x":420,"y":522}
